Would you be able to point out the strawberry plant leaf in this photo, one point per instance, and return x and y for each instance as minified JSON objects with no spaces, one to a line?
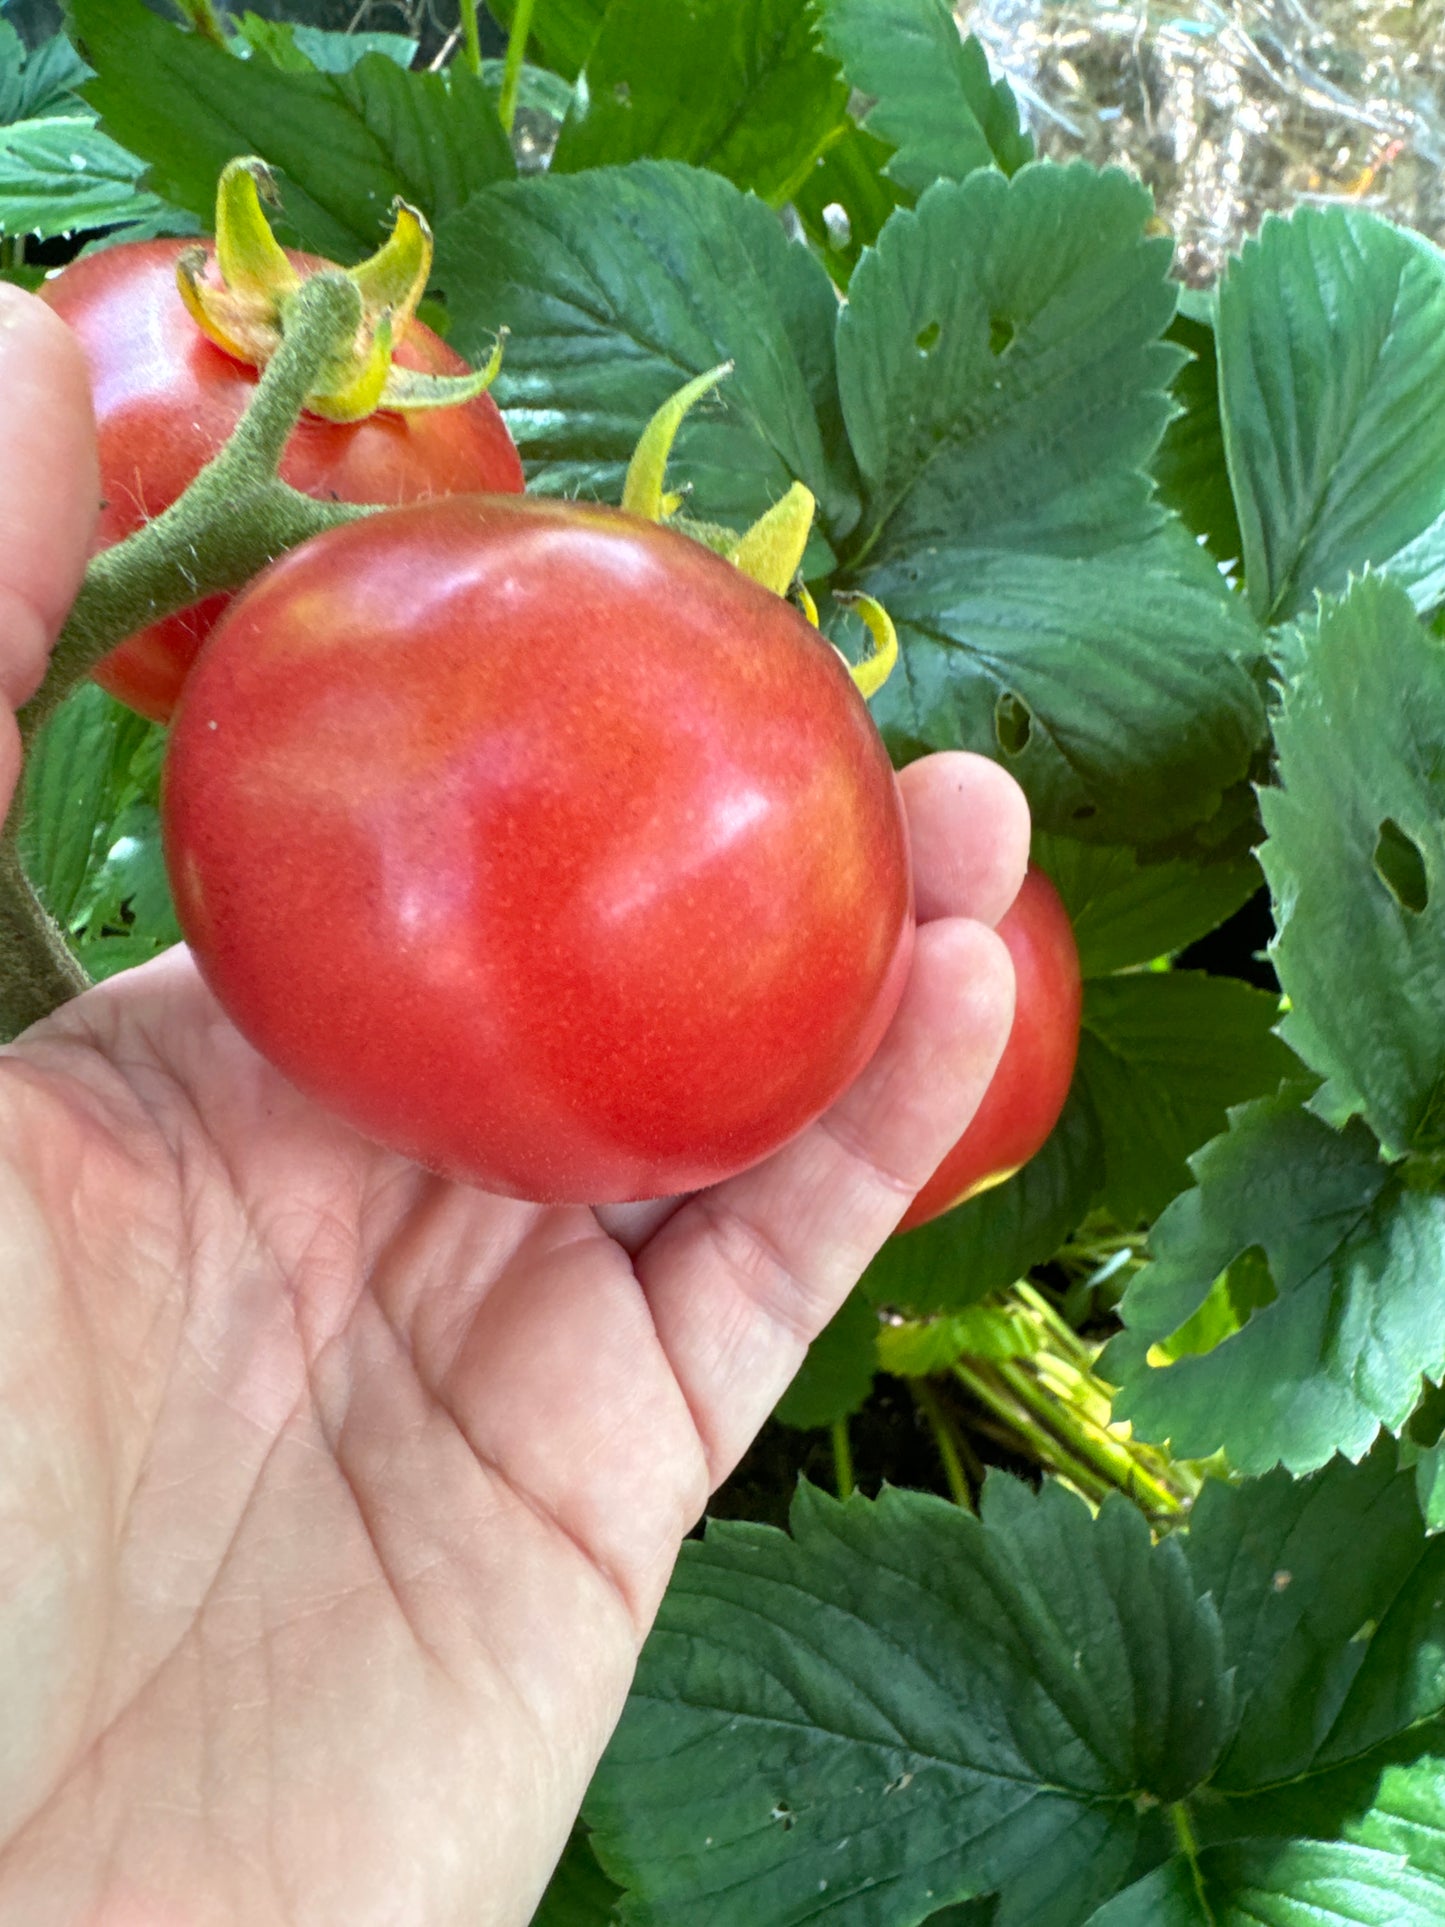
{"x":1164,"y":1056}
{"x":63,"y":175}
{"x":901,"y":1706}
{"x":1126,"y":912}
{"x":619,"y":284}
{"x":1356,"y":1263}
{"x":1004,"y":383}
{"x":738,"y":86}
{"x":934,"y":101}
{"x":1294,"y":1612}
{"x":1291,"y":1883}
{"x":985,"y":1244}
{"x":344,"y":144}
{"x":579,"y":1894}
{"x":1190,"y":466}
{"x":836,"y":1377}
{"x":1331,"y":333}
{"x":40,"y":83}
{"x":1356,"y":863}
{"x":76,"y":783}
{"x":562,"y":31}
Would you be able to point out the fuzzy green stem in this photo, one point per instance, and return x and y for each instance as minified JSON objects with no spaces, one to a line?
{"x":931,"y":1406}
{"x":842,"y":1458}
{"x":512,"y":66}
{"x":471,"y":36}
{"x":37,"y":971}
{"x":1105,"y":1456}
{"x":1189,"y":1847}
{"x":233,"y":519}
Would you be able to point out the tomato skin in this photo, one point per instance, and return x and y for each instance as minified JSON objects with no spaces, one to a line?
{"x":540,"y":844}
{"x":1029,"y":1089}
{"x":166,"y":399}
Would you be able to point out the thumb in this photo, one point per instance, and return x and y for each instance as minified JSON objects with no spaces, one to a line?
{"x":49,"y":496}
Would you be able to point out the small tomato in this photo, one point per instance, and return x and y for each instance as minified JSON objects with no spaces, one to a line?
{"x":542,"y":845}
{"x":166,"y":400}
{"x":1023,"y":1102}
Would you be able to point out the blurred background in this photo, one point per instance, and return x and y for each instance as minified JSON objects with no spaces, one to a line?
{"x":1227,"y":108}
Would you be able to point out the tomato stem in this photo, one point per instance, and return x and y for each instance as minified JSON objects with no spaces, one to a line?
{"x":37,"y":971}
{"x":232,"y":520}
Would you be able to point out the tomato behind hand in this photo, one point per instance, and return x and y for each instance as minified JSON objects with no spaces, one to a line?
{"x":1029,"y":1089}
{"x":167,"y":399}
{"x":542,"y":845}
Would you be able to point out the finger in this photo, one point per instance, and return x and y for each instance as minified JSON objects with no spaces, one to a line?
{"x":968,"y":834}
{"x":957,"y":872}
{"x":49,"y":486}
{"x":742,"y":1277}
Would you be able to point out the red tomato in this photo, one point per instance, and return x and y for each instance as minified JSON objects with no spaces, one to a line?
{"x":540,"y":844}
{"x":1029,"y":1088}
{"x":166,"y":399}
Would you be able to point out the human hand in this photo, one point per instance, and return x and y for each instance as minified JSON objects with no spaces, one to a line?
{"x":336,"y":1500}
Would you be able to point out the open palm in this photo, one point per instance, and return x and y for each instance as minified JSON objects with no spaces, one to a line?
{"x":336,"y":1500}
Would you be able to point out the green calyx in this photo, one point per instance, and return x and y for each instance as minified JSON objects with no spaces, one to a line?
{"x":770,"y":552}
{"x":242,"y":298}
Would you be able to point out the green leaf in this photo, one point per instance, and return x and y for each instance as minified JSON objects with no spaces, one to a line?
{"x":982,"y":1331}
{"x":1356,"y":864}
{"x":901,"y":1706}
{"x":62,"y":175}
{"x":77,"y":780}
{"x":738,"y":86}
{"x":345,"y":144}
{"x":1297,"y":1618}
{"x":1407,"y":1815}
{"x":127,"y":916}
{"x":620,"y":284}
{"x":992,"y":1240}
{"x":1164,"y":1056}
{"x":934,"y":100}
{"x":1125,"y":912}
{"x":1272,"y":1883}
{"x":39,"y":83}
{"x":562,"y":31}
{"x":1001,"y":368}
{"x":836,"y":1377}
{"x":1004,"y":384}
{"x":1332,"y":356}
{"x":845,"y":200}
{"x":579,"y":1893}
{"x":1111,"y":692}
{"x":1191,"y":467}
{"x":1358,"y":1267}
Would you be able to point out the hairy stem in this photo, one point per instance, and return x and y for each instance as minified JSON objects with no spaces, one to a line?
{"x":946,"y":1440}
{"x":233,"y":519}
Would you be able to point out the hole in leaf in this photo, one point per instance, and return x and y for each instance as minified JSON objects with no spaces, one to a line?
{"x":1401,"y":868}
{"x":783,"y":1814}
{"x":1235,"y":1296}
{"x":622,"y":94}
{"x":1013,"y":724}
{"x":1001,"y":332}
{"x":927,"y":338}
{"x":1085,"y":811}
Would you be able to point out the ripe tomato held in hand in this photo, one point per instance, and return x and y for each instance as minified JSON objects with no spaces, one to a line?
{"x":1023,"y":1103}
{"x":167,"y":399}
{"x":540,"y":844}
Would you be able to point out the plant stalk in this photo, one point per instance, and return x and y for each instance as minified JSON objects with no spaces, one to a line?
{"x":946,"y":1440}
{"x":512,"y":66}
{"x":842,"y":1458}
{"x":471,"y":36}
{"x":234,"y":518}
